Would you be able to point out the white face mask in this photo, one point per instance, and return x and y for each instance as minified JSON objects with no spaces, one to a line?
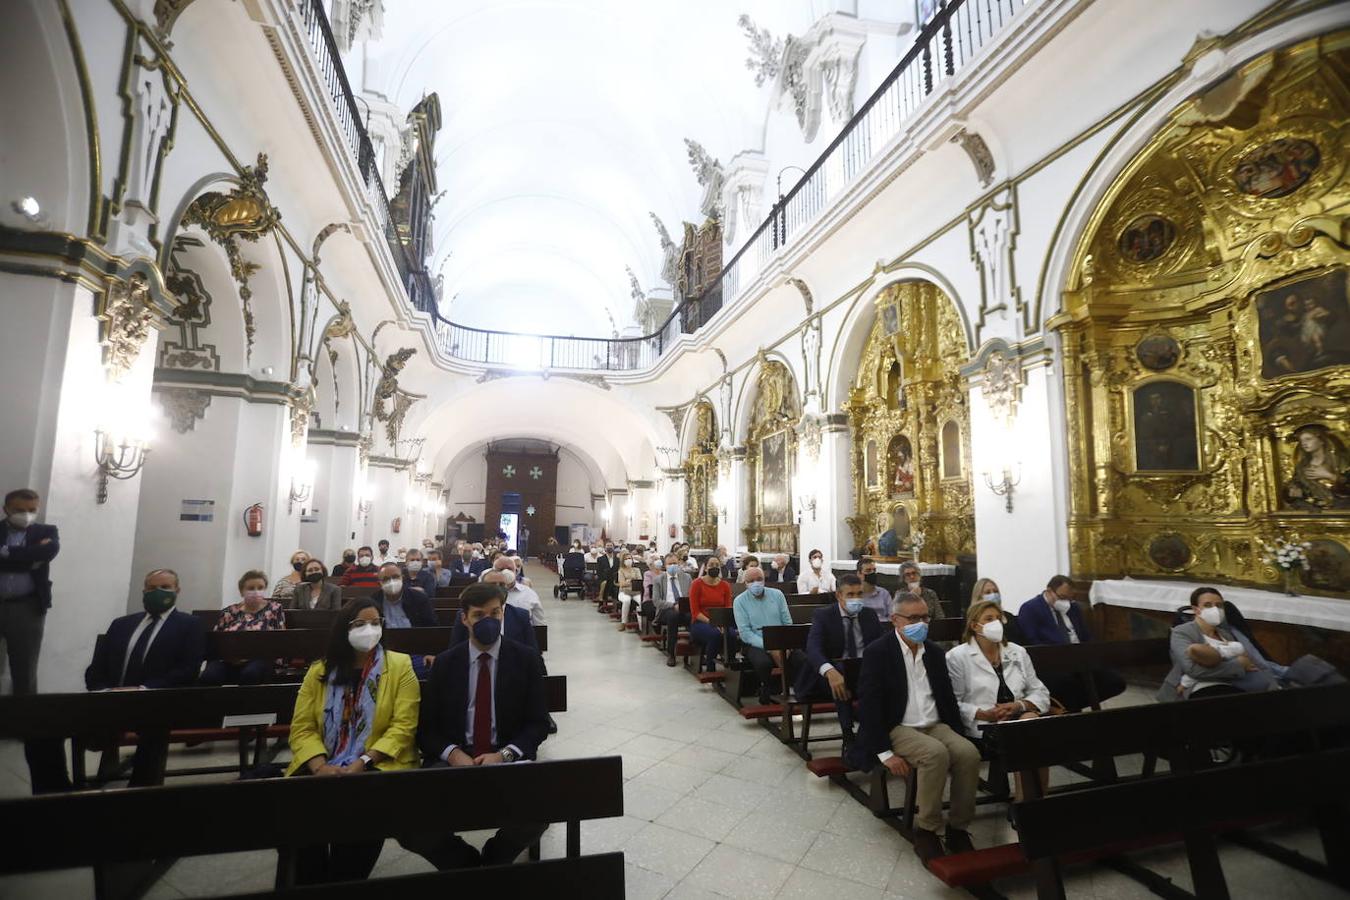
{"x":477,"y":555}
{"x":817,"y":563}
{"x":993,"y":598}
{"x":992,"y":631}
{"x":22,"y":519}
{"x":392,"y":588}
{"x":1063,"y":606}
{"x":255,"y":596}
{"x":1212,"y":615}
{"x":414,"y":566}
{"x":364,"y":637}
{"x":364,"y":560}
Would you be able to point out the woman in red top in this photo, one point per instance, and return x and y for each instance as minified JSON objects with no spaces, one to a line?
{"x":708,"y":592}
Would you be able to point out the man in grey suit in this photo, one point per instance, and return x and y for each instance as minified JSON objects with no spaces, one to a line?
{"x":669,"y":586}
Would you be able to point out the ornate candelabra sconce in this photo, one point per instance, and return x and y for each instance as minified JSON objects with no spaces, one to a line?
{"x":121,"y":458}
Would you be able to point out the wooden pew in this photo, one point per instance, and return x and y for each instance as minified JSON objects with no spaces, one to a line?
{"x":602,"y":874}
{"x":809,"y":599}
{"x":1081,"y":659}
{"x":1148,"y":811}
{"x":261,"y":815}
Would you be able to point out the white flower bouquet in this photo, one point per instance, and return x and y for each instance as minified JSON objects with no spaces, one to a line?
{"x":1286,"y":555}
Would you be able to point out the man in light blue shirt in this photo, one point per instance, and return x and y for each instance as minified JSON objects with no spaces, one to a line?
{"x":755,"y":607}
{"x":875,"y":597}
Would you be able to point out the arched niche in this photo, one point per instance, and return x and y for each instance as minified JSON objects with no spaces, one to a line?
{"x":770,"y":458}
{"x":1206,"y":336}
{"x":909,"y":402}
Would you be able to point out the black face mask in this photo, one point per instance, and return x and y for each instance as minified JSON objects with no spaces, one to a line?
{"x":349,"y":558}
{"x":298,"y":566}
{"x":714,"y":572}
{"x":870,"y":578}
{"x":314,"y":577}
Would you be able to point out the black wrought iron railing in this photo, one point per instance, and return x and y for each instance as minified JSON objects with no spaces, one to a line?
{"x":945,"y":45}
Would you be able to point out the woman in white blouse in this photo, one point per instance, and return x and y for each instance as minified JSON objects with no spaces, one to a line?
{"x":993,"y":680}
{"x":816,"y":579}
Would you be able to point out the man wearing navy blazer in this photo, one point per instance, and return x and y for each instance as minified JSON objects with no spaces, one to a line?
{"x":402,"y":604}
{"x":1052,"y":617}
{"x":908,"y":717}
{"x":484,"y":704}
{"x":839,"y":630}
{"x":160,"y":648}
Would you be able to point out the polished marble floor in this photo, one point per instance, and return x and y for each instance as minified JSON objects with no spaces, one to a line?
{"x":714,"y":806}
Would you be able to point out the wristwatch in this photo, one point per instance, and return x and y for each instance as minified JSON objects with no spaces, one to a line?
{"x":366,"y":761}
{"x":509,"y":755}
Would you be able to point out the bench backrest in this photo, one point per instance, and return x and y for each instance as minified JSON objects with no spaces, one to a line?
{"x":1167,"y":729}
{"x":262,"y":814}
{"x":807,"y":599}
{"x":1058,"y":659}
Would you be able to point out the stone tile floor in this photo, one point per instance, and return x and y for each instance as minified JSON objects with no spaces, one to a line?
{"x":714,"y":806}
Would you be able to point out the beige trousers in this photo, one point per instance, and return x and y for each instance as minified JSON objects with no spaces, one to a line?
{"x":935,"y":751}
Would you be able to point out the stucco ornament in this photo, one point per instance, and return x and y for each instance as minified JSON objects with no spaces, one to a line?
{"x":127,"y":320}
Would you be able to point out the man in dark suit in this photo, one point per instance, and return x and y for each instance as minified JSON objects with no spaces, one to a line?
{"x":781,"y":574}
{"x":160,"y":648}
{"x":839,"y":630}
{"x":484,"y":704}
{"x":26,"y":552}
{"x":670,"y":585}
{"x":607,"y":573}
{"x":909,"y":717}
{"x":1052,"y":617}
{"x":418,"y":574}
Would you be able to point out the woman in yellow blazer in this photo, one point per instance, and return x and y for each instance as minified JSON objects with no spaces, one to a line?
{"x":356,"y":712}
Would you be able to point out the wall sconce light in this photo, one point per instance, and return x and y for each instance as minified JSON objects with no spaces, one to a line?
{"x":367,"y":500}
{"x":117,"y":457}
{"x":806,"y":500}
{"x":719,"y":499}
{"x":1004,"y":486}
{"x":302,"y":485}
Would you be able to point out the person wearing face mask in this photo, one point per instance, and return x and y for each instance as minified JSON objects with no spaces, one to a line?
{"x":911,"y":579}
{"x":875,"y":597}
{"x":161,"y":647}
{"x":986,"y":589}
{"x":708,"y":592}
{"x":625,"y":577}
{"x":780,"y":571}
{"x":515,"y":621}
{"x":1053,"y":618}
{"x":26,"y":552}
{"x":356,"y":712}
{"x":254,"y":612}
{"x":314,"y":591}
{"x":402,"y":606}
{"x":518,"y":594}
{"x":348,"y":560}
{"x":285,"y":587}
{"x":438,"y":570}
{"x":484,"y":706}
{"x":418,"y":575}
{"x":756,"y":608}
{"x":909,"y":717}
{"x":992,"y":678}
{"x":730,"y":569}
{"x":1210,"y":657}
{"x":839,"y":630}
{"x":667,"y":591}
{"x":815,"y":579}
{"x":365,"y":573}
{"x":607,"y":573}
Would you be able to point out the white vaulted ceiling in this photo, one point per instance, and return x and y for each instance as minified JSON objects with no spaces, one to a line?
{"x":563,"y":127}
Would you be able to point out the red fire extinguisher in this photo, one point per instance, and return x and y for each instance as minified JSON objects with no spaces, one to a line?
{"x":253,"y":520}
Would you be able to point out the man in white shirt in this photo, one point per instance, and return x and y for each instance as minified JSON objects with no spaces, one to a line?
{"x":503,"y":572}
{"x":382,"y":554}
{"x":667,"y":589}
{"x":909,"y":717}
{"x":816,"y":579}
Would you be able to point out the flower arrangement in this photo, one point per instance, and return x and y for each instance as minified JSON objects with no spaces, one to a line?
{"x":1287,"y":556}
{"x":917,"y":540}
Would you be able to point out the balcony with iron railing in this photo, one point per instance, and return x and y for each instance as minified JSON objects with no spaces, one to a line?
{"x":944,"y":46}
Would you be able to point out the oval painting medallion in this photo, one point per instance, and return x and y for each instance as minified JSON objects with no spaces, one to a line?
{"x":1277,"y":169}
{"x":1146,"y":238}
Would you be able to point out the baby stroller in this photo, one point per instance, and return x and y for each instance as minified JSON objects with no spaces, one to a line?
{"x":572,"y":577}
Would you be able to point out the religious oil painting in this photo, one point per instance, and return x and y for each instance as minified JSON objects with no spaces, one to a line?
{"x":870,"y":464}
{"x":1277,"y":169}
{"x":773,"y":480}
{"x":900,"y":456}
{"x":1305,"y":324}
{"x":1146,"y":238}
{"x":890,"y":319}
{"x":1328,"y":566}
{"x":1165,"y":438}
{"x":1169,"y":551}
{"x":1319,"y":478}
{"x":1157,"y":352}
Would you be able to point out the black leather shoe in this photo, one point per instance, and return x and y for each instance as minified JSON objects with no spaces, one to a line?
{"x":926,"y":845}
{"x":958,"y":841}
{"x":670,"y":661}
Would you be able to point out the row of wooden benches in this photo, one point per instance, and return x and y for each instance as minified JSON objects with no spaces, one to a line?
{"x":1124,"y":812}
{"x":307,"y":632}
